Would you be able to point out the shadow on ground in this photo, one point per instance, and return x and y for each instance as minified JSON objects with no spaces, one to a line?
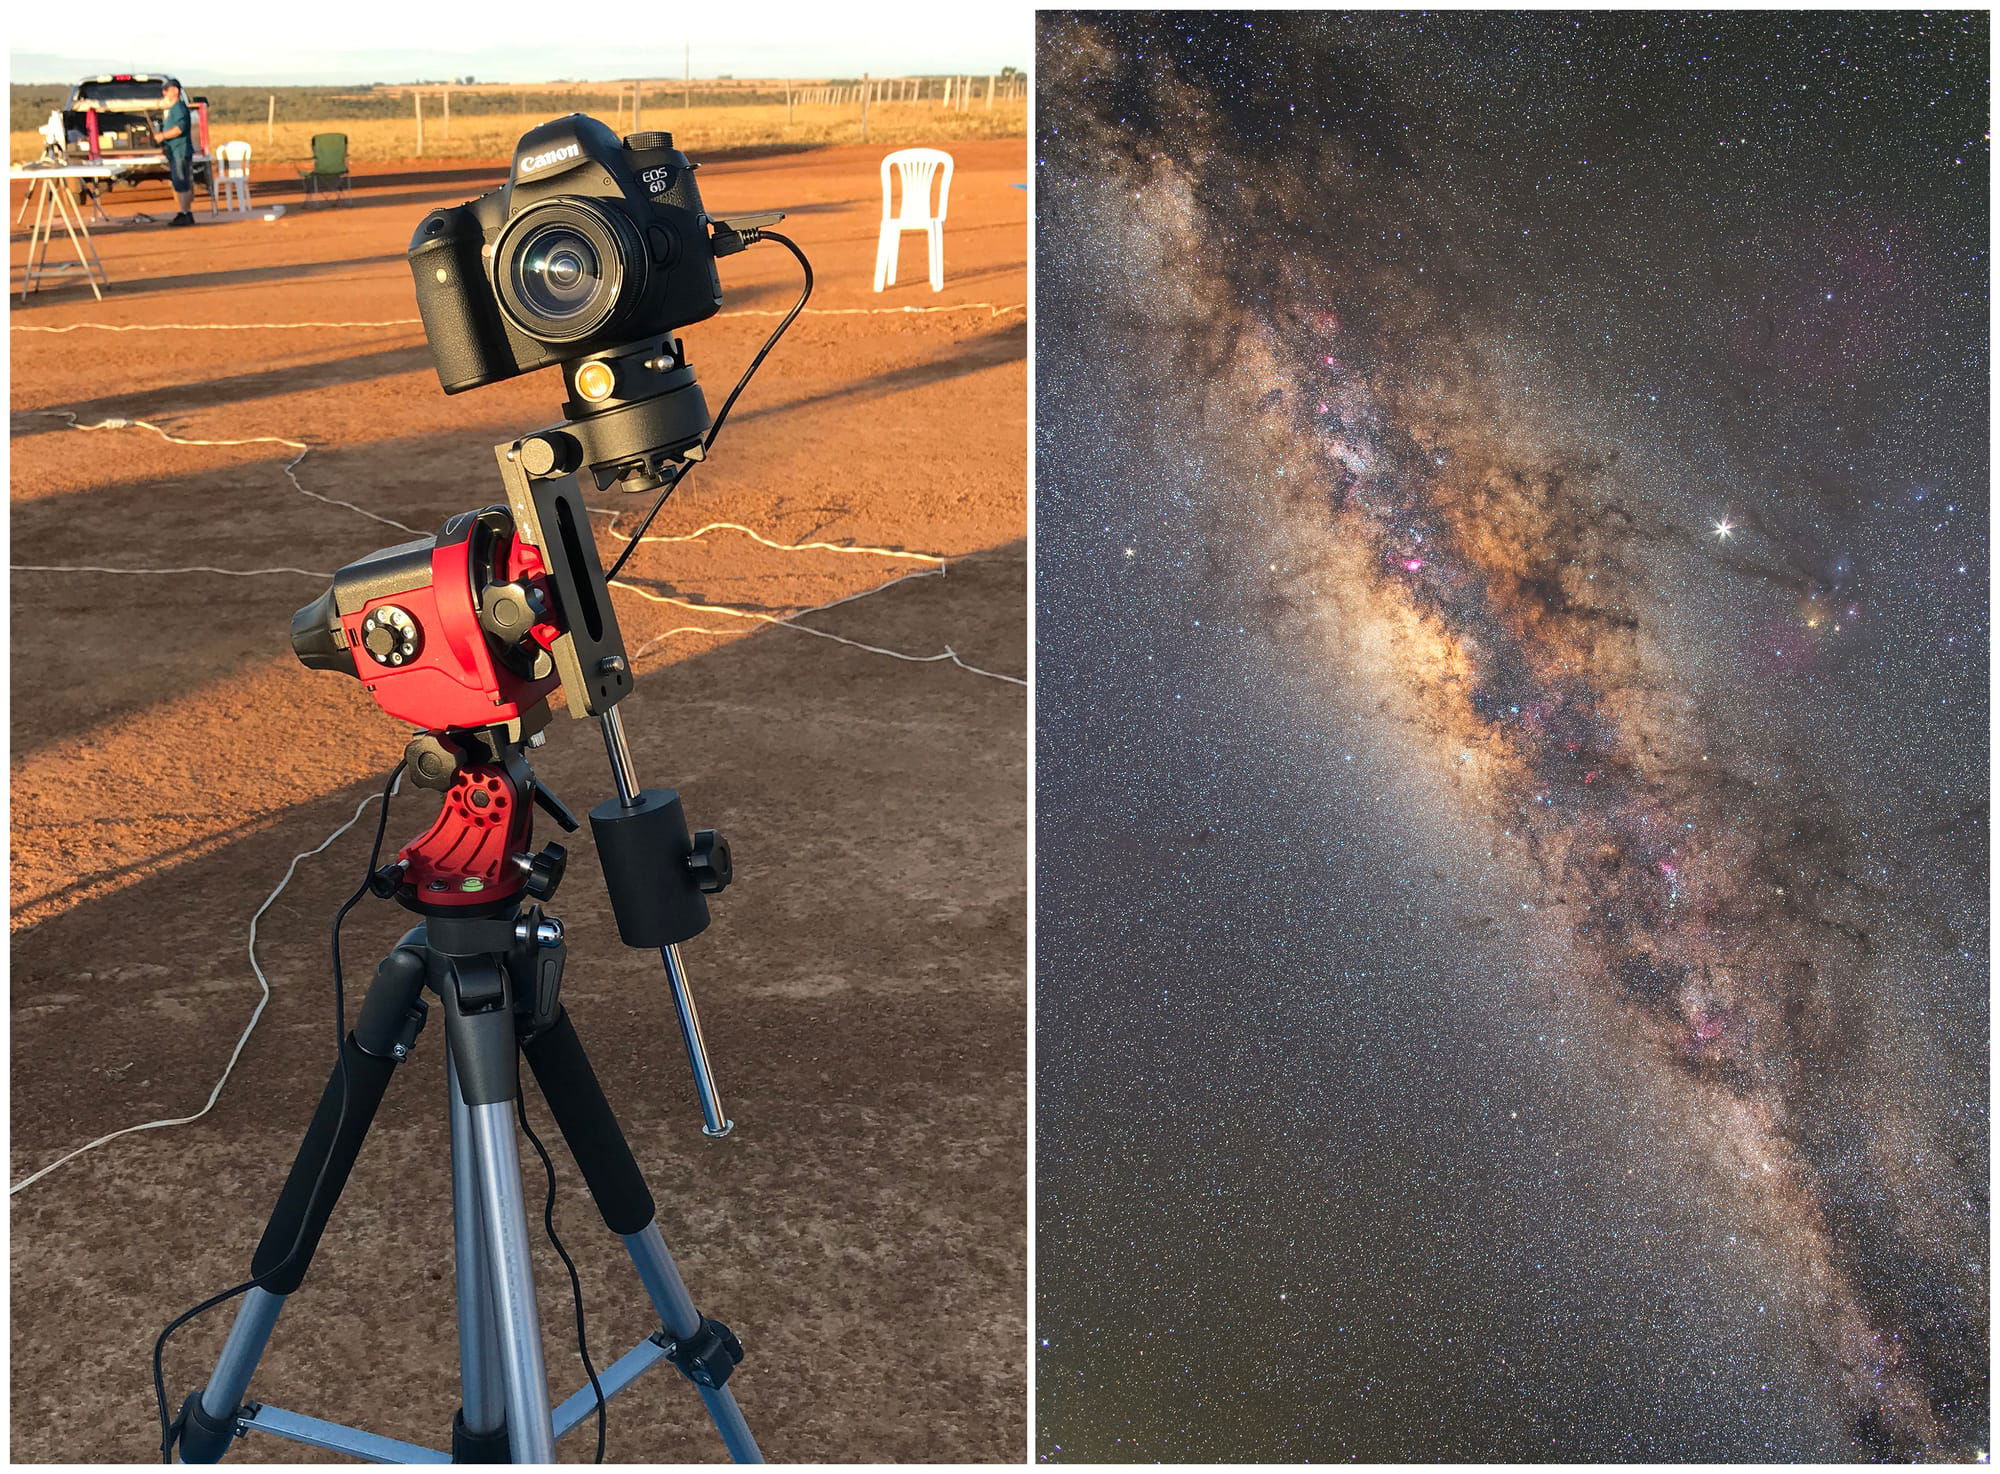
{"x":863,"y":992}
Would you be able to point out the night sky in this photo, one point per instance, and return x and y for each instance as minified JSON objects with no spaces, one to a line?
{"x":1512,"y":791}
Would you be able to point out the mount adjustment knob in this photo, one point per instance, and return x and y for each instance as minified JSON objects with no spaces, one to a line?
{"x":709,"y":864}
{"x":545,"y":871}
{"x":433,"y":764}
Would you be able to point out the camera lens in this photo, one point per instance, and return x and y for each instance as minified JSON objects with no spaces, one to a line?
{"x":566,"y":269}
{"x":556,"y":272}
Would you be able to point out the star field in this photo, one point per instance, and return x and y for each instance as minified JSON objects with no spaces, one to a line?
{"x":1513,"y":622}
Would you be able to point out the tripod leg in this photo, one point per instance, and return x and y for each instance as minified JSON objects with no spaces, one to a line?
{"x":208,"y":1420}
{"x":670,"y":1297}
{"x":479,"y":1434}
{"x":585,"y":1118}
{"x":484,"y":1051}
{"x":381,"y":1037}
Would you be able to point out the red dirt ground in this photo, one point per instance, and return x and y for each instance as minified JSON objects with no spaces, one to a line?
{"x":862,"y":987}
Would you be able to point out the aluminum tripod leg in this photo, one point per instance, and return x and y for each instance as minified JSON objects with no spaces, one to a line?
{"x":670,"y":1298}
{"x":504,"y":1221}
{"x":486,"y":1064}
{"x":390,"y":1018}
{"x":483,"y":1408}
{"x":249,"y":1334}
{"x":591,"y":1130}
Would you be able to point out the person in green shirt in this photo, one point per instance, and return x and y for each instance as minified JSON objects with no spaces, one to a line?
{"x":177,"y":137}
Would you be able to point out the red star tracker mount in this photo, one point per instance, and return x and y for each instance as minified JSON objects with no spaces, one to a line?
{"x":589,"y":257}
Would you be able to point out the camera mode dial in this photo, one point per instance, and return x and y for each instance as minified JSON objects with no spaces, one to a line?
{"x":390,"y":636}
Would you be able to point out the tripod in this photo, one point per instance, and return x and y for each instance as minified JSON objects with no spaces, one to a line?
{"x":496,"y":969}
{"x":466,"y":634}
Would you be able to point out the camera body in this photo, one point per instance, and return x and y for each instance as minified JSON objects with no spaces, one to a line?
{"x":592,"y":244}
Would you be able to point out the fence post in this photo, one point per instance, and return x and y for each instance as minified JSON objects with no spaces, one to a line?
{"x":947,"y":92}
{"x":270,"y":119}
{"x":419,"y":96}
{"x":447,"y":112}
{"x":638,"y":103}
{"x":865,"y":90}
{"x":788,"y":102}
{"x":989,"y":92}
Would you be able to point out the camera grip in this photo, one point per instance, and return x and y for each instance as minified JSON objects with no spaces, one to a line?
{"x":467,"y":343}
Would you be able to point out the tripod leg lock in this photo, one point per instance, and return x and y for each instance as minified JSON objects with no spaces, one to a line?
{"x":708,"y":1356}
{"x":202,"y":1439}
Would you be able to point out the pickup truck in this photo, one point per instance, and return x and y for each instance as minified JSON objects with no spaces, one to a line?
{"x":120,"y":118}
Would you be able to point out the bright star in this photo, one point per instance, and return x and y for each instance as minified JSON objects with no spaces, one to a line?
{"x":1724,"y":530}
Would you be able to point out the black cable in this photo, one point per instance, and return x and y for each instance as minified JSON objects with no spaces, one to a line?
{"x":319,"y":1182}
{"x":805,"y":293}
{"x":666,"y":491}
{"x":715,"y":427}
{"x":575,"y":1284}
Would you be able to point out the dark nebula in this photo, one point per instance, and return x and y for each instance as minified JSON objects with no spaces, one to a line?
{"x":1512,"y":597}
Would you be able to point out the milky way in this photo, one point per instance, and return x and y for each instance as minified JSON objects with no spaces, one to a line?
{"x":1405,"y":300}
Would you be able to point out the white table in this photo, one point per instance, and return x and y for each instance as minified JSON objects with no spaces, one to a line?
{"x":51,"y":199}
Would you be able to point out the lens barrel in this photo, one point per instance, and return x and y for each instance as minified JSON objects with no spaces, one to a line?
{"x":567,"y":269}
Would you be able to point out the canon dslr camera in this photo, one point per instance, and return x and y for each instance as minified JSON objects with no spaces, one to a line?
{"x":590,"y":256}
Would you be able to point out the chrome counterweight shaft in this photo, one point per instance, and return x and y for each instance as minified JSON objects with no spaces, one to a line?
{"x":714,"y":1122}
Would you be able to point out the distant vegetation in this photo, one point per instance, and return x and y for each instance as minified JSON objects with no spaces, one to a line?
{"x":238,"y":107}
{"x":486,"y":121}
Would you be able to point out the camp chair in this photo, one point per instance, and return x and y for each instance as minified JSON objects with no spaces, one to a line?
{"x":328,"y":173}
{"x":914,"y":168}
{"x":232,"y":168}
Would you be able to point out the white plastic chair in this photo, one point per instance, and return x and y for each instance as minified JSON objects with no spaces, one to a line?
{"x":232,"y":172}
{"x":916,"y":167}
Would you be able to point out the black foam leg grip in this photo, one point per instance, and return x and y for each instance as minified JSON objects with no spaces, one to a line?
{"x":385,"y":1015}
{"x":584,"y":1116}
{"x":368,"y":1077}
